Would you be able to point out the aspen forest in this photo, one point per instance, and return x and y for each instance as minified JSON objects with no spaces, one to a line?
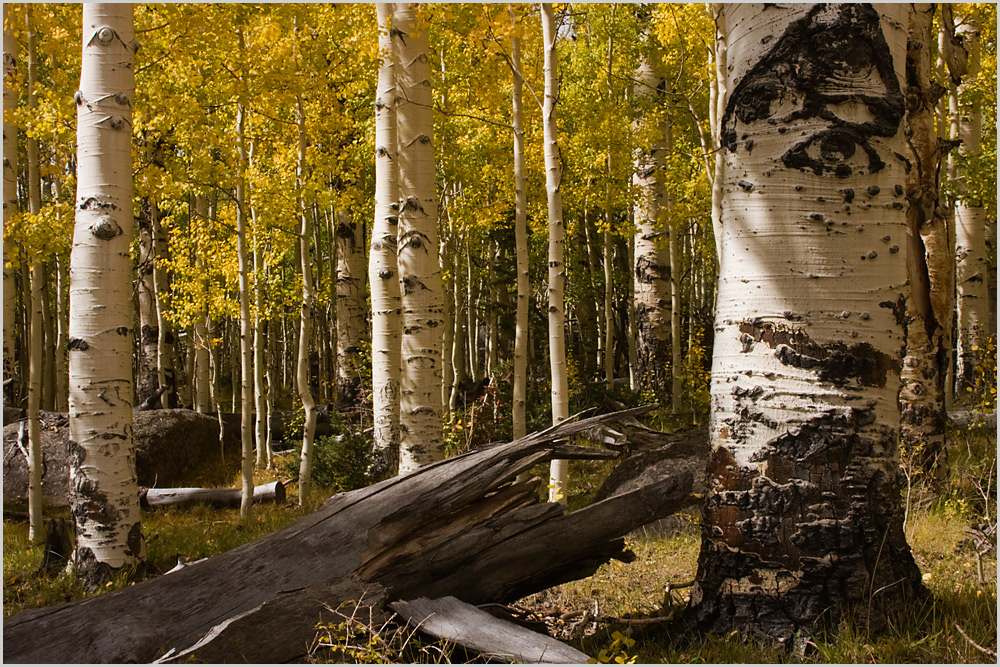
{"x":552,"y":333}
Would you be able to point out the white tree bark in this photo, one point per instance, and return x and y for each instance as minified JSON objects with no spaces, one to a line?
{"x":651,"y":270}
{"x":305,"y":318}
{"x":149,"y":333}
{"x":351,"y":326}
{"x":971,"y":253}
{"x":104,"y":494}
{"x":421,"y":437}
{"x":521,"y":247}
{"x":557,"y":269}
{"x":263,"y":457}
{"x":246,"y":333}
{"x":202,"y":364}
{"x":803,"y":516}
{"x":9,"y":197}
{"x":383,"y":275}
{"x":930,"y":263}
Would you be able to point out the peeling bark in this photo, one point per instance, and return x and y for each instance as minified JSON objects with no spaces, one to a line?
{"x":802,"y":522}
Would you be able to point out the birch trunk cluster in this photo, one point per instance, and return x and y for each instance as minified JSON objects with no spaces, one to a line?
{"x":104,"y":493}
{"x":803,"y":517}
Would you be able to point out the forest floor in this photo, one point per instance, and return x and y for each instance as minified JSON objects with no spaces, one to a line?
{"x":619,"y":614}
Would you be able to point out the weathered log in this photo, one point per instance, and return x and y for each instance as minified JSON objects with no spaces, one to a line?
{"x":273,"y":492}
{"x":453,"y":620}
{"x":458,"y":527}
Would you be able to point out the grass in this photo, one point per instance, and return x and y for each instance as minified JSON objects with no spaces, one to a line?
{"x":963,"y":583}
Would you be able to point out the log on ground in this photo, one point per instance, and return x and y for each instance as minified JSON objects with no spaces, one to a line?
{"x":273,"y":492}
{"x":460,"y":527}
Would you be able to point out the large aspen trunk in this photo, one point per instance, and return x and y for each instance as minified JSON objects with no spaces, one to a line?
{"x":519,"y":406}
{"x":802,"y":523}
{"x":421,"y":437}
{"x":104,"y":494}
{"x":351,"y":327}
{"x":651,"y":270}
{"x":383,"y":275}
{"x":930,"y":264}
{"x":305,"y":317}
{"x":9,"y":204}
{"x":557,"y":268}
{"x":971,"y":252}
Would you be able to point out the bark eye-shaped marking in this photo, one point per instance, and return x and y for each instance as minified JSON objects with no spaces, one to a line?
{"x":105,"y":35}
{"x":835,"y":152}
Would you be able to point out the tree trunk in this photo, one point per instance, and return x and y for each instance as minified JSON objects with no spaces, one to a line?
{"x":651,"y":270}
{"x":273,"y":492}
{"x":263,"y":457}
{"x":351,"y":327}
{"x":202,"y":325}
{"x":930,"y":264}
{"x":246,"y":370}
{"x":305,"y":317}
{"x":9,"y":205}
{"x":149,"y":333}
{"x":557,"y":270}
{"x":36,"y":524}
{"x":421,"y":437}
{"x":104,"y":495}
{"x":519,"y":406}
{"x":383,"y":276}
{"x":62,"y":334}
{"x":454,"y":527}
{"x":165,"y":372}
{"x":971,"y":251}
{"x":803,"y":519}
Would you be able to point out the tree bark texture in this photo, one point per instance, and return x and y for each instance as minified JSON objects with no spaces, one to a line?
{"x":383,"y":275}
{"x":651,"y":268}
{"x":557,"y":251}
{"x":802,"y":523}
{"x":351,"y":325}
{"x":104,"y":495}
{"x":9,"y":202}
{"x":245,"y":382}
{"x":519,"y":404}
{"x":459,"y":527}
{"x":930,"y":262}
{"x":305,"y":321}
{"x":421,"y":436}
{"x":971,"y":252}
{"x":149,"y":330}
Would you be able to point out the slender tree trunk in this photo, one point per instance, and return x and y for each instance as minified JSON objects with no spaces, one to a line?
{"x":971,"y":251}
{"x":557,"y":269}
{"x":305,"y":318}
{"x":521,"y":244}
{"x":421,"y":437}
{"x":719,"y":94}
{"x":458,"y":338}
{"x":149,"y":332}
{"x":62,"y":335}
{"x":674,"y":228}
{"x":263,"y":458}
{"x":48,"y":340}
{"x":246,"y":369}
{"x":9,"y":205}
{"x":165,"y":371}
{"x":104,"y":494}
{"x":202,"y":381}
{"x":803,"y":519}
{"x":651,"y":269}
{"x":36,"y":328}
{"x":930,"y":264}
{"x":383,"y":275}
{"x":350,"y":308}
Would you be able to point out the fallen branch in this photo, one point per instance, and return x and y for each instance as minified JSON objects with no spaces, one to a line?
{"x":273,"y":492}
{"x":991,"y":653}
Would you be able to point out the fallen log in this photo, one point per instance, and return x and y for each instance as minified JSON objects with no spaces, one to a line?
{"x":496,"y":639}
{"x":273,"y":492}
{"x":460,"y":527}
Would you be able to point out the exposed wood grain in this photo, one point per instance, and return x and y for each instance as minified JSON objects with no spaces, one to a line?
{"x":451,"y":619}
{"x":456,"y":527}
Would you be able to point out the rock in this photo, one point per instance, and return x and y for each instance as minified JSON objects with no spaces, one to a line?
{"x":173,"y":448}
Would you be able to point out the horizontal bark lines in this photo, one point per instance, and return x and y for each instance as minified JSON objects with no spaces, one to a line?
{"x":104,"y":494}
{"x":802,"y":521}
